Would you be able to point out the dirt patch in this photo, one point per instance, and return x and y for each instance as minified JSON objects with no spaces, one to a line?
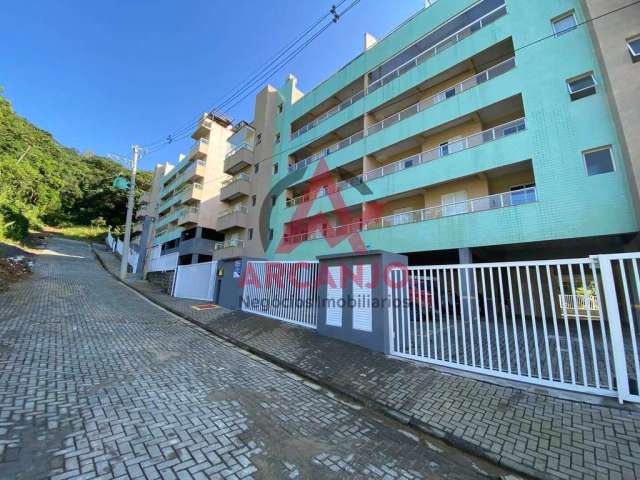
{"x":16,"y":261}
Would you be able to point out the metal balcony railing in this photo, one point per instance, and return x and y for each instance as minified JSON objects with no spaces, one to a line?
{"x":237,"y":148}
{"x":410,"y":64}
{"x":480,"y":204}
{"x":235,"y":178}
{"x":471,"y":141}
{"x":412,"y":110}
{"x":231,"y":211}
{"x":232,"y":243}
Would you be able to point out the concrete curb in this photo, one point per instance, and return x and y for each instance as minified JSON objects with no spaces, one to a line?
{"x":362,"y":400}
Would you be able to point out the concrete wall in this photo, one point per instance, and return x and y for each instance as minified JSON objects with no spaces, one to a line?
{"x":622,"y":85}
{"x":378,"y":338}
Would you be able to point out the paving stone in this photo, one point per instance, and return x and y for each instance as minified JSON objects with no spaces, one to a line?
{"x":545,"y":435}
{"x":97,"y":382}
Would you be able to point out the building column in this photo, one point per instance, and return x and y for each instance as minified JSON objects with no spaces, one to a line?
{"x":467,"y":286}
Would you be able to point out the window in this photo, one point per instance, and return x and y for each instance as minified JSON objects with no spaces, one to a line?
{"x":275,"y":168}
{"x":204,"y":258}
{"x":273,"y":200}
{"x":250,"y":235}
{"x":450,"y":93}
{"x":184,"y":260}
{"x":564,"y":24}
{"x":523,"y":194}
{"x":210,"y":234}
{"x":253,"y":200}
{"x":258,"y":139}
{"x":280,"y":107}
{"x":598,"y":161}
{"x":634,"y":48}
{"x":581,"y":86}
{"x":277,"y":138}
{"x":271,"y":234}
{"x":256,"y":168}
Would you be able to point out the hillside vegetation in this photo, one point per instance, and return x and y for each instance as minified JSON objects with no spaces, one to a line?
{"x":53,"y":184}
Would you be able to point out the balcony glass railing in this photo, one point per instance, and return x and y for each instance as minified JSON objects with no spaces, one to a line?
{"x":480,"y":204}
{"x":231,"y":211}
{"x":416,"y":60}
{"x":414,"y":109}
{"x":232,"y":243}
{"x":235,"y":178}
{"x":471,"y":141}
{"x":237,"y":148}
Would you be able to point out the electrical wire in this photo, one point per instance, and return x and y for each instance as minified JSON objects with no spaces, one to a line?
{"x":485,"y":63}
{"x":238,"y":89}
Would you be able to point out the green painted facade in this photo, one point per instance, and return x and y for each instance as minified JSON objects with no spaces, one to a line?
{"x":570,"y":203}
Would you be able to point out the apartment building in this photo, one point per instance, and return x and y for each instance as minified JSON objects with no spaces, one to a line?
{"x":472,"y":130}
{"x":143,"y":230}
{"x":617,"y":41}
{"x":243,"y":193}
{"x":190,"y":201}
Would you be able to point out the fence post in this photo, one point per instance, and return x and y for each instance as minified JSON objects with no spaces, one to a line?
{"x":615,"y":327}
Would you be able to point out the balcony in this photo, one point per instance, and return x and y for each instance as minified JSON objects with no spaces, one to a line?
{"x":199,"y":150}
{"x":235,"y":187}
{"x":203,"y":128}
{"x":228,"y":249}
{"x":478,"y":18}
{"x":195,"y":170}
{"x":471,"y":141}
{"x":169,"y":218}
{"x":423,"y":52}
{"x":412,"y":110}
{"x":233,"y":218}
{"x":190,"y":193}
{"x":479,"y":204}
{"x":188,"y":215}
{"x":239,"y":158}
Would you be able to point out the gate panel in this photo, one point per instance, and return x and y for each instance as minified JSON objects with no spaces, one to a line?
{"x":621,"y":275}
{"x":538,"y":322}
{"x":285,"y":291}
{"x":195,"y":281}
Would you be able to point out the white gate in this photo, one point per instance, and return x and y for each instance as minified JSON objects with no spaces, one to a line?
{"x":196,"y":281}
{"x":541,"y":322}
{"x":286,"y":291}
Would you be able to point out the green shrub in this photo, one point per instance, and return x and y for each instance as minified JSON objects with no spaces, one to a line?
{"x":13,"y":224}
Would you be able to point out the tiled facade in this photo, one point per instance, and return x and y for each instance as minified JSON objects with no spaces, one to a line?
{"x":455,"y":131}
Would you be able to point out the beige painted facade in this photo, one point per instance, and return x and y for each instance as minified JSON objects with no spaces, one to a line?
{"x":247,"y":189}
{"x":622,"y":77}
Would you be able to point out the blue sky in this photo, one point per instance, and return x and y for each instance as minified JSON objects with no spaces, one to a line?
{"x":102,"y":75}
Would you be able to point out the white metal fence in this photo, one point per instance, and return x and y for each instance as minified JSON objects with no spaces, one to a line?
{"x":196,"y":281}
{"x":115,"y":245}
{"x":541,"y":322}
{"x":286,"y":291}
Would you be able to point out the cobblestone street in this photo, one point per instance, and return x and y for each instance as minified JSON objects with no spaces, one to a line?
{"x":95,"y":382}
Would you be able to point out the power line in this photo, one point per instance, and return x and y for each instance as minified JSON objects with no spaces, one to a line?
{"x":238,"y":89}
{"x":272,"y":71}
{"x":498,"y":57}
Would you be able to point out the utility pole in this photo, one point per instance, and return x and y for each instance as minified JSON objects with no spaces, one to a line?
{"x":130,"y":204}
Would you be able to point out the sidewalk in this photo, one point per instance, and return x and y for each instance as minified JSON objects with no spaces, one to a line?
{"x":533,"y":433}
